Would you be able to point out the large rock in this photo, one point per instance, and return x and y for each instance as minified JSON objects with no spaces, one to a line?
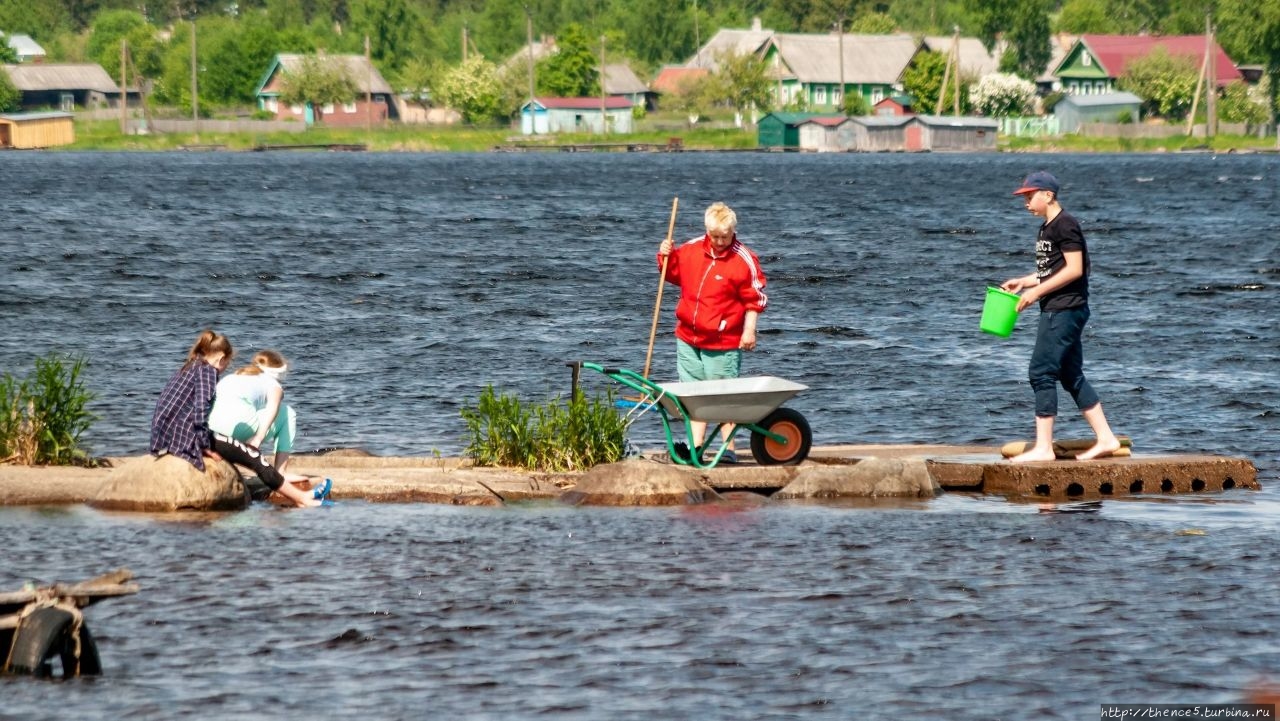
{"x":171,"y":484}
{"x":870,"y":478}
{"x":637,"y":482}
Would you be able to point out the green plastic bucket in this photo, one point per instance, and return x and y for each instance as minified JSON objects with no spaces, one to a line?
{"x":999,"y":312}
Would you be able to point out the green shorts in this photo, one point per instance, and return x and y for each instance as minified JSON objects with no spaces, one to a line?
{"x":695,"y":364}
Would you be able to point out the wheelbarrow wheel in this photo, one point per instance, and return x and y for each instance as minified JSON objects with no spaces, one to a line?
{"x":792,"y":426}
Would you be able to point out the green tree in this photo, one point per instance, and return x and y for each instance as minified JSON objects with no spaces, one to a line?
{"x":742,"y":82}
{"x":874,"y":23}
{"x":1086,"y":16}
{"x":574,"y":70}
{"x":233,"y":55}
{"x":1250,"y":32}
{"x":923,"y":80}
{"x":10,"y":96}
{"x":1028,"y":37}
{"x":1166,"y":84}
{"x":318,"y":80}
{"x":693,"y":97}
{"x":472,"y":89}
{"x":661,"y":31}
{"x":1240,"y":104}
{"x":7,"y":54}
{"x":37,"y":19}
{"x":109,"y":28}
{"x":389,"y":25}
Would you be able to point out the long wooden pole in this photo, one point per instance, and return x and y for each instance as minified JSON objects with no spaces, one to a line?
{"x":662,"y":282}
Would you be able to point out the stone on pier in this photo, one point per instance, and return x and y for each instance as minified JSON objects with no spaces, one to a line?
{"x":169,"y":484}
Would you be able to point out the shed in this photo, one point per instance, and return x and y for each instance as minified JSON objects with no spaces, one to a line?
{"x":949,"y":132}
{"x":1073,"y":111}
{"x":881,"y":133}
{"x":575,"y":115}
{"x":36,"y":130}
{"x":66,"y":86}
{"x":898,"y":104}
{"x":826,"y":134}
{"x":781,"y":130}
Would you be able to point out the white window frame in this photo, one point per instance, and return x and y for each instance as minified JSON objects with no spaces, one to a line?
{"x":819,"y":95}
{"x":1086,"y":60}
{"x":349,"y":108}
{"x":327,"y":109}
{"x":271,"y":105}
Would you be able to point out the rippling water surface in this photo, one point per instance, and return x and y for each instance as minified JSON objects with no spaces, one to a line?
{"x":399,"y":285}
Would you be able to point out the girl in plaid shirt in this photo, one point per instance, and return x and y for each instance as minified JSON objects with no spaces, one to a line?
{"x":180,"y":424}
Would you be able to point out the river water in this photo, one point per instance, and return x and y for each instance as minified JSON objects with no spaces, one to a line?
{"x":400,"y":285}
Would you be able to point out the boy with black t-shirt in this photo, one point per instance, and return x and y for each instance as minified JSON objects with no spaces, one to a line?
{"x":1061,"y":285}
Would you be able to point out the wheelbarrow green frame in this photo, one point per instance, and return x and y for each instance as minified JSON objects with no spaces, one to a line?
{"x":653,"y":395}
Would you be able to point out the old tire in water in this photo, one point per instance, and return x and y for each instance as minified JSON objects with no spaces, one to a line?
{"x":47,"y":633}
{"x":792,"y":426}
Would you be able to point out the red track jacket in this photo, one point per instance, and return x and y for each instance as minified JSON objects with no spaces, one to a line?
{"x":715,"y":292}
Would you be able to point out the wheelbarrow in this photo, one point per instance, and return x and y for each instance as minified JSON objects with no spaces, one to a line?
{"x":779,"y":436}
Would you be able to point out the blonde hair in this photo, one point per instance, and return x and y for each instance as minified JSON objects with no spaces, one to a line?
{"x":720,"y":218}
{"x":209,"y":343}
{"x":268,"y":358}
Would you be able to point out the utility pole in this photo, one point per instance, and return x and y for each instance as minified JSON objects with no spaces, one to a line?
{"x":124,"y":88}
{"x":528,"y":31}
{"x":1211,"y":81}
{"x":604,"y":114}
{"x":697,"y":37}
{"x":840,"y":30}
{"x":195,"y":86}
{"x":368,"y":88}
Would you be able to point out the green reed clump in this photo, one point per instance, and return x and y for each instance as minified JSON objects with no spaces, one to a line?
{"x":555,"y":436}
{"x":43,"y":415}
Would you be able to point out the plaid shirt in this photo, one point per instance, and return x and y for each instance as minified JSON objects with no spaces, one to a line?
{"x":180,"y":424}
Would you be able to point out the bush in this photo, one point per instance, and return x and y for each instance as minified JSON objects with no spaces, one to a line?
{"x":43,"y":415}
{"x":556,"y":436}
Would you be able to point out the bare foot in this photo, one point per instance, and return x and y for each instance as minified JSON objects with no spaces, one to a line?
{"x":1103,"y":448}
{"x":1035,"y":454}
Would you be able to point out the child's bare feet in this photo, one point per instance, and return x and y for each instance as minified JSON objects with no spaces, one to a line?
{"x":1035,"y":453}
{"x":1103,"y":448}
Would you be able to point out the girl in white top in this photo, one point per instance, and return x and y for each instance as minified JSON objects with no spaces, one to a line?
{"x":249,"y":407}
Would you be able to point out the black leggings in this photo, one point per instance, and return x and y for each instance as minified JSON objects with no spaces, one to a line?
{"x":245,"y":455}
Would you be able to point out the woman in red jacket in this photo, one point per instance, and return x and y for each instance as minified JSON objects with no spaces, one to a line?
{"x":721,"y":296}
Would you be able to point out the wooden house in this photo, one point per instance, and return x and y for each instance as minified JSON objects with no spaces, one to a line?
{"x":808,"y":69}
{"x":620,"y":81}
{"x":728,"y":42}
{"x":1093,"y":64}
{"x":575,"y":115}
{"x":36,"y":130}
{"x":372,"y":103}
{"x":25,"y":48}
{"x":1075,"y":110}
{"x":67,"y":86}
{"x":975,"y":60}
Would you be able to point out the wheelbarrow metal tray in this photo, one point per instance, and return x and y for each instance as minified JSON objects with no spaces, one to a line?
{"x":731,"y":400}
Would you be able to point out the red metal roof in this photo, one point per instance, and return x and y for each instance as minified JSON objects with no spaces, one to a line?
{"x":1115,"y":52}
{"x":611,"y":103}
